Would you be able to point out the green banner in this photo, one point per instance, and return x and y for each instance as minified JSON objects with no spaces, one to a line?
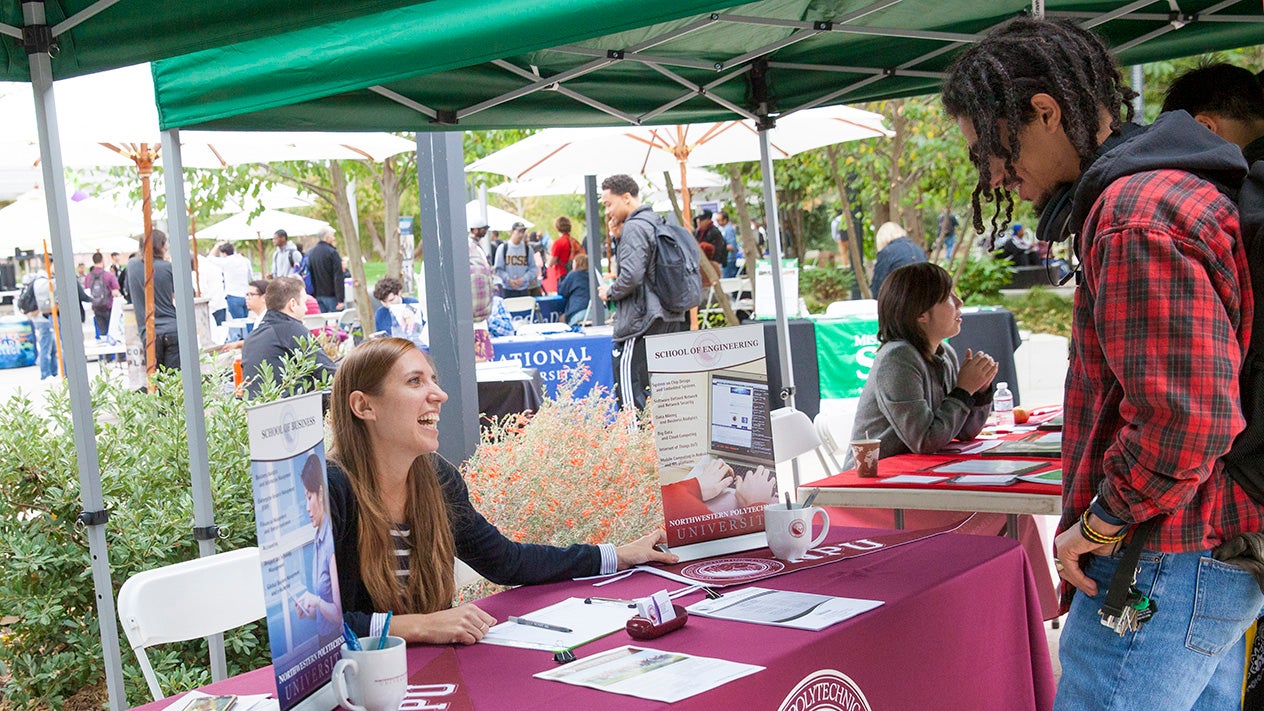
{"x":845,"y":350}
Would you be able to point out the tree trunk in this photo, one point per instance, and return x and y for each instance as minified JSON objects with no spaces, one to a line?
{"x":389,"y":182}
{"x":857,"y":254}
{"x":346,"y":225}
{"x":750,"y":242}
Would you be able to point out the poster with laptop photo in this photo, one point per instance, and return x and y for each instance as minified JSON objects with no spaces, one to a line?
{"x":300,"y":577}
{"x":713,"y":435}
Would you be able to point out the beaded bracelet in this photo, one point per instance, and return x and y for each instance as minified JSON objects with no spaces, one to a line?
{"x":1097,"y":537}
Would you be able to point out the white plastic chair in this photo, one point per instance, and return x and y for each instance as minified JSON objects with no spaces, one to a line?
{"x":828,"y":443}
{"x":855,"y":307}
{"x":196,"y":598}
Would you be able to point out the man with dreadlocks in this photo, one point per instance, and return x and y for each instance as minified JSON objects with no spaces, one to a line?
{"x":1161,"y":322}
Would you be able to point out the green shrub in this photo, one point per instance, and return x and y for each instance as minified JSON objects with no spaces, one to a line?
{"x":984,"y":277}
{"x":821,"y":287}
{"x":54,"y":649}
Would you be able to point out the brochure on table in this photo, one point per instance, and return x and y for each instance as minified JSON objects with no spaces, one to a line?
{"x":713,"y":435}
{"x":304,"y":614}
{"x":649,"y":673}
{"x":783,"y":608}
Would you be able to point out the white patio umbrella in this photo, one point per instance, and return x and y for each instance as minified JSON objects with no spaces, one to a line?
{"x":650,"y":150}
{"x":497,"y":219}
{"x":242,"y":226}
{"x":574,"y":184}
{"x":15,"y":182}
{"x":94,"y":225}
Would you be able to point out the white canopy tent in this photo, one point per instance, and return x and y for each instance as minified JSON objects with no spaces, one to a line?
{"x":242,"y":226}
{"x":497,"y":219}
{"x":95,"y":225}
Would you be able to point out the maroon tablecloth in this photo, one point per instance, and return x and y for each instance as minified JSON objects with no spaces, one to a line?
{"x":960,"y":629}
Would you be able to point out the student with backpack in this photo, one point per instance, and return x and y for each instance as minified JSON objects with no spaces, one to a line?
{"x":658,"y":282}
{"x":36,"y":302}
{"x":102,"y":286}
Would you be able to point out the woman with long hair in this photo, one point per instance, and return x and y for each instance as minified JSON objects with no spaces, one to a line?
{"x":401,"y":512}
{"x":919,"y":396}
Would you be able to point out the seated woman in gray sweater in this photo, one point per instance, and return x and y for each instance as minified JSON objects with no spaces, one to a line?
{"x":919,"y":396}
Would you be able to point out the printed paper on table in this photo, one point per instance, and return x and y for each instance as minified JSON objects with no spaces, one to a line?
{"x":711,"y":403}
{"x":287,"y":449}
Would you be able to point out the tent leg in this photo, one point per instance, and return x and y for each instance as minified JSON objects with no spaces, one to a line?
{"x":204,"y":530}
{"x":596,"y":308}
{"x":774,"y":255}
{"x":76,"y":362}
{"x":449,"y":300}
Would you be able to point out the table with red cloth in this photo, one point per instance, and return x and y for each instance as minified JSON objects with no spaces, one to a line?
{"x":960,"y":628}
{"x":856,"y":501}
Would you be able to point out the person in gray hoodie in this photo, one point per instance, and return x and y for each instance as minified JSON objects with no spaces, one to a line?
{"x":919,"y":395}
{"x":638,"y":311}
{"x":515,"y":265}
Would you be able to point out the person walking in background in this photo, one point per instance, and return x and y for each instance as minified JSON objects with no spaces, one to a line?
{"x":102,"y":286}
{"x":712,"y":241}
{"x":895,"y":250}
{"x":1158,"y":338}
{"x":638,"y":311}
{"x":732,"y":249}
{"x":166,"y":345}
{"x":237,"y":276}
{"x":324,"y":265}
{"x":1228,"y":100}
{"x":209,"y":282}
{"x":286,"y":259}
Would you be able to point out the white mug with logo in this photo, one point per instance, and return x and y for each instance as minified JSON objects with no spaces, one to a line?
{"x":789,"y":530}
{"x":372,"y":679}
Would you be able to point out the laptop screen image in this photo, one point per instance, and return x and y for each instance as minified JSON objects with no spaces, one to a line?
{"x":740,"y":425}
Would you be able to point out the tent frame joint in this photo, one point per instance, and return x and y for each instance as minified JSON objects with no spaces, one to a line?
{"x":38,"y":39}
{"x":92,"y":518}
{"x":614,"y":54}
{"x":207,"y":533}
{"x":823,"y":25}
{"x":445,"y":117}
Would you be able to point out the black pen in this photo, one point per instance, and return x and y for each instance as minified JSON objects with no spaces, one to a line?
{"x":591,"y":600}
{"x":541,"y":625}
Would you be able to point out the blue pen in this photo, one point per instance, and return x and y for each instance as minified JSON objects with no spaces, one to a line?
{"x":386,"y":627}
{"x":353,"y":642}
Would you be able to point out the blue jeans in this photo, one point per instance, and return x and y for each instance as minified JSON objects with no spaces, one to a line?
{"x":236,"y":306}
{"x":1190,"y":655}
{"x":45,"y":347}
{"x":328,"y":304}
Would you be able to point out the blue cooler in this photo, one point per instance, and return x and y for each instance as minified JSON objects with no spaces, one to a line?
{"x":17,"y":342}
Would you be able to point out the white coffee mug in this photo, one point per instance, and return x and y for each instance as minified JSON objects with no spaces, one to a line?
{"x":372,"y":679}
{"x":789,"y":531}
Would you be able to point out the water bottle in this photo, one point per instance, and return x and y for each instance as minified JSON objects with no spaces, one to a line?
{"x":1003,"y":406}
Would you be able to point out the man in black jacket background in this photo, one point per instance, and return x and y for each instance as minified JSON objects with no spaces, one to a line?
{"x":280,"y":333}
{"x":325,"y":265}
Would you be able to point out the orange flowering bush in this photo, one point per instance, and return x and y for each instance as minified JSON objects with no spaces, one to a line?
{"x":577,"y":471}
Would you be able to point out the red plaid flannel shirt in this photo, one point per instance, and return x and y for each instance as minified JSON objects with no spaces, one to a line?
{"x":1161,"y":325}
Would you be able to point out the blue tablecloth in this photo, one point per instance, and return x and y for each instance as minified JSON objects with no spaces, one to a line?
{"x":553,"y":355}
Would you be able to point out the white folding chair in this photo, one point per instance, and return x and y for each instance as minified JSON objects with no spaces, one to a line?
{"x":196,"y":598}
{"x":828,"y":443}
{"x":521,"y":308}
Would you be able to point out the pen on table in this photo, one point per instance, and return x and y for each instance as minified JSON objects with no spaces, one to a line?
{"x":353,"y":642}
{"x":541,"y":625}
{"x":386,"y":627}
{"x":591,"y":600}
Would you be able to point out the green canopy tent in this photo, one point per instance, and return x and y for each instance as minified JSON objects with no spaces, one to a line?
{"x":761,"y":60}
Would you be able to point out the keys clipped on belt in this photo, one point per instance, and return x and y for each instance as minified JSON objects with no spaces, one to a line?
{"x":1138,"y":609}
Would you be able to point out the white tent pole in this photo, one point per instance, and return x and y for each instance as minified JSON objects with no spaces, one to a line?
{"x":93,"y":517}
{"x":778,"y":294}
{"x":204,"y":529}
